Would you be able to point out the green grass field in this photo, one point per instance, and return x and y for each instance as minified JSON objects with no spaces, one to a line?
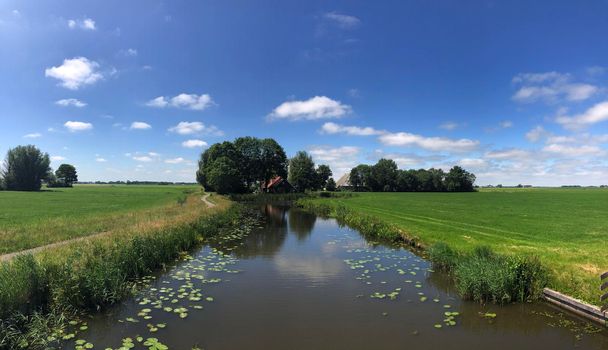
{"x":566,"y":228}
{"x":32,"y":219}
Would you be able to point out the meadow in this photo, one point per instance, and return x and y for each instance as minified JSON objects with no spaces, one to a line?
{"x":33,"y":219}
{"x":566,"y":228}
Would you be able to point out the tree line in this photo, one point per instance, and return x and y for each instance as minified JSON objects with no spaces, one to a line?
{"x":246,"y":164}
{"x":385,"y":176}
{"x":25,"y":168}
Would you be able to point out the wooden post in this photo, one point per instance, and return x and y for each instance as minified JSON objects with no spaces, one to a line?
{"x":604,"y":286}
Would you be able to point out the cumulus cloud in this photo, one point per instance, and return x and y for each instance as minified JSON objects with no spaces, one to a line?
{"x":339,"y":159}
{"x":33,"y":135}
{"x":505,"y":124}
{"x":596,"y":114}
{"x":550,"y":87}
{"x":448,"y":126}
{"x":75,"y":73}
{"x":140,"y":126}
{"x":84,"y":24}
{"x":194,"y":143}
{"x":66,"y":102}
{"x":406,"y":139}
{"x":333,"y":128}
{"x":142,"y":158}
{"x":536,"y":133}
{"x":186,"y":101}
{"x":57,"y":158}
{"x":75,"y":126}
{"x":177,"y":160}
{"x":342,"y":20}
{"x":508,"y":154}
{"x":100,"y":160}
{"x":573,"y":151}
{"x":189,"y":128}
{"x":318,"y":107}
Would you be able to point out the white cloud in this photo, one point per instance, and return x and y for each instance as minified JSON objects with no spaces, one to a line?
{"x":100,"y":160}
{"x":339,"y":159}
{"x":536,"y":134}
{"x":70,"y":102}
{"x":550,"y":87}
{"x":33,"y":135}
{"x":74,"y":126}
{"x":85,"y":24}
{"x":597,"y":113}
{"x":475,"y":163}
{"x":75,"y":73}
{"x":185,"y":101}
{"x":140,"y":126}
{"x":194,"y":143}
{"x":333,"y":128}
{"x":189,"y":128}
{"x":429,"y":143}
{"x":57,"y":158}
{"x":448,"y":126}
{"x":508,"y":154}
{"x":145,"y":159}
{"x":573,"y":151}
{"x":130,"y":52}
{"x":342,"y":20}
{"x":318,"y":107}
{"x":177,"y":160}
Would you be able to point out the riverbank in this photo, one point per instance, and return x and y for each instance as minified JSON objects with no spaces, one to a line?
{"x":40,"y":294}
{"x":558,"y":226}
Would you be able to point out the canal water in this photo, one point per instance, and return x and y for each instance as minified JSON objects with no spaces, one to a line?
{"x":303,"y":282}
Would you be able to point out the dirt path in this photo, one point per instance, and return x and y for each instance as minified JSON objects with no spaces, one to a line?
{"x":9,"y":256}
{"x":207,"y":201}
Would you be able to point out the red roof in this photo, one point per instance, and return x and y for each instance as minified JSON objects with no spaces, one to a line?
{"x":273,"y":182}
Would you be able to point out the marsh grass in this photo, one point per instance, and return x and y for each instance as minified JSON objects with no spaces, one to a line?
{"x":36,"y":291}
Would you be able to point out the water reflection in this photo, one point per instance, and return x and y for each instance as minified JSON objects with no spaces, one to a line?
{"x":301,"y":223}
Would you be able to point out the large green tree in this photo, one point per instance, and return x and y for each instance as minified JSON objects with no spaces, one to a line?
{"x":459,"y":180}
{"x":384,"y":173}
{"x":66,"y":173}
{"x":274,"y":161}
{"x":302,"y":174}
{"x":359,"y":177}
{"x":323,"y":174}
{"x":25,"y":167}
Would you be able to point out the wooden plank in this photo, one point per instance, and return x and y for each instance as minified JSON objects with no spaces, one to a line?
{"x":604,"y":275}
{"x":604,"y":308}
{"x":604,"y":286}
{"x":576,"y":306}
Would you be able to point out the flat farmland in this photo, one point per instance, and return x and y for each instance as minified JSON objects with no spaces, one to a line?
{"x":566,"y":228}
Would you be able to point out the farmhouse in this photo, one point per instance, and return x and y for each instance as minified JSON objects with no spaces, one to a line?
{"x":343,"y":182}
{"x":277,"y":185}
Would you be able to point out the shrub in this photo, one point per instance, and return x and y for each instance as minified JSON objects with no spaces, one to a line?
{"x":443,"y":257}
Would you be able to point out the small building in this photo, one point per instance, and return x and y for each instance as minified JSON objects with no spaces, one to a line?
{"x":277,"y":185}
{"x":343,"y":183}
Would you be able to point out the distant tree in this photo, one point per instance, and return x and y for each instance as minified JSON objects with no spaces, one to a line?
{"x":25,"y":167}
{"x":66,"y":173}
{"x":331,"y":185}
{"x":384,"y":174}
{"x":436,"y":178}
{"x":359,"y":177}
{"x":323,"y":174}
{"x":407,"y":181}
{"x":459,"y":180}
{"x":302,"y":174}
{"x":274,"y":161}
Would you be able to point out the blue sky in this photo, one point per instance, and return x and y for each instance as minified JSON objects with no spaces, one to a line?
{"x":513,"y":91}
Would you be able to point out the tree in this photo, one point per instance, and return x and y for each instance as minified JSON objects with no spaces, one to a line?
{"x":274,"y":160}
{"x":331,"y":185}
{"x":384,"y":174}
{"x":359,"y":177}
{"x":323,"y":174}
{"x":25,"y":167}
{"x":407,"y":181}
{"x":459,"y":180}
{"x":66,"y":173}
{"x":302,"y":174}
{"x":223,"y":176}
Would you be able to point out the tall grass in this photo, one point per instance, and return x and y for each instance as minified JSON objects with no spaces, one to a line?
{"x":90,"y":276}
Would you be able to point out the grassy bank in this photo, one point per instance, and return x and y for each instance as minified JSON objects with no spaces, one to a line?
{"x":33,"y":219}
{"x":40,"y":294}
{"x":565,"y":228}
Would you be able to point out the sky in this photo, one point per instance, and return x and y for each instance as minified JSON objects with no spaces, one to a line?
{"x":514,"y":91}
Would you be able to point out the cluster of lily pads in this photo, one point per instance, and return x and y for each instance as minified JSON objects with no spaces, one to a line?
{"x":177,"y":294}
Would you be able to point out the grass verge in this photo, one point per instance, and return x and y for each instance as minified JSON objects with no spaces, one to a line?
{"x":38,"y":294}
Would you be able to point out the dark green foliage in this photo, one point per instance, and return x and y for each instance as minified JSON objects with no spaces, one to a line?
{"x":323,"y":175}
{"x":66,"y":174}
{"x":241,"y":166}
{"x":384,"y":176}
{"x":25,"y":167}
{"x":302,"y":174}
{"x":330,"y":185}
